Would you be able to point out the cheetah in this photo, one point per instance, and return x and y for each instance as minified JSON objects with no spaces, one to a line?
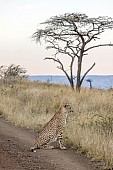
{"x":53,"y":130}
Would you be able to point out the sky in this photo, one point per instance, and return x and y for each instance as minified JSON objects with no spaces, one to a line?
{"x":19,"y":19}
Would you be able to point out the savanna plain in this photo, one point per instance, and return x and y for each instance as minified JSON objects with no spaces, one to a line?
{"x":89,"y":129}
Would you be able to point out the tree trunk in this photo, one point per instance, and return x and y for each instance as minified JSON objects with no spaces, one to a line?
{"x":90,"y":85}
{"x":78,"y":84}
{"x":72,"y":84}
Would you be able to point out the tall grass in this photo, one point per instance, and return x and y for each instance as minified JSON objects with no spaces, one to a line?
{"x":90,"y":127}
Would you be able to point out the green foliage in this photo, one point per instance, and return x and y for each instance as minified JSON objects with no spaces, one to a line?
{"x":12,"y":74}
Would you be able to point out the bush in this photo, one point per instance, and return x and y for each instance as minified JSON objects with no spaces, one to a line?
{"x":12,"y":74}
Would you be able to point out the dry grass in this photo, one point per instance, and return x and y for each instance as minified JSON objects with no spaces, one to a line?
{"x":89,"y":128}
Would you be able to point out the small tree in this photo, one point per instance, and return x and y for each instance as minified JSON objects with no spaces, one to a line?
{"x":12,"y":74}
{"x":72,"y":35}
{"x":90,"y":82}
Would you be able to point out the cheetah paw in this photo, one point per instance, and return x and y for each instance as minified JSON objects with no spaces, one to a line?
{"x":63,"y":148}
{"x":32,"y":149}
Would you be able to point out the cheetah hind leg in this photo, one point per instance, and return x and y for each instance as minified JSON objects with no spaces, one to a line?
{"x":33,"y":148}
{"x":47,"y":146}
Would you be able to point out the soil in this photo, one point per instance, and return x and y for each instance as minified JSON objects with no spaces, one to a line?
{"x":16,"y":155}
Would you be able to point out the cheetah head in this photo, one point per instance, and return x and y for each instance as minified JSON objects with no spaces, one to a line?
{"x":68,"y":107}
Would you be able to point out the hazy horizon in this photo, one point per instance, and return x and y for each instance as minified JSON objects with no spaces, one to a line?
{"x":65,"y":75}
{"x":98,"y":81}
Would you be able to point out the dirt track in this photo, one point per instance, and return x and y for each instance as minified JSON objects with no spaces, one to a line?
{"x":15,"y":154}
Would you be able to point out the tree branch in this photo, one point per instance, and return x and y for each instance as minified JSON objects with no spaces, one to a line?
{"x":61,"y":67}
{"x":86,"y":73}
{"x":100,"y":45}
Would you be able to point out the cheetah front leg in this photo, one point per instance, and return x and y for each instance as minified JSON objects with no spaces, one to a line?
{"x":60,"y":140}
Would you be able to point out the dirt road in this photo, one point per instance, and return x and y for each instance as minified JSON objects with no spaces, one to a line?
{"x":15,"y":154}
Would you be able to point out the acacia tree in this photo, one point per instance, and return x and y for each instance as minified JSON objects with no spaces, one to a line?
{"x":72,"y":35}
